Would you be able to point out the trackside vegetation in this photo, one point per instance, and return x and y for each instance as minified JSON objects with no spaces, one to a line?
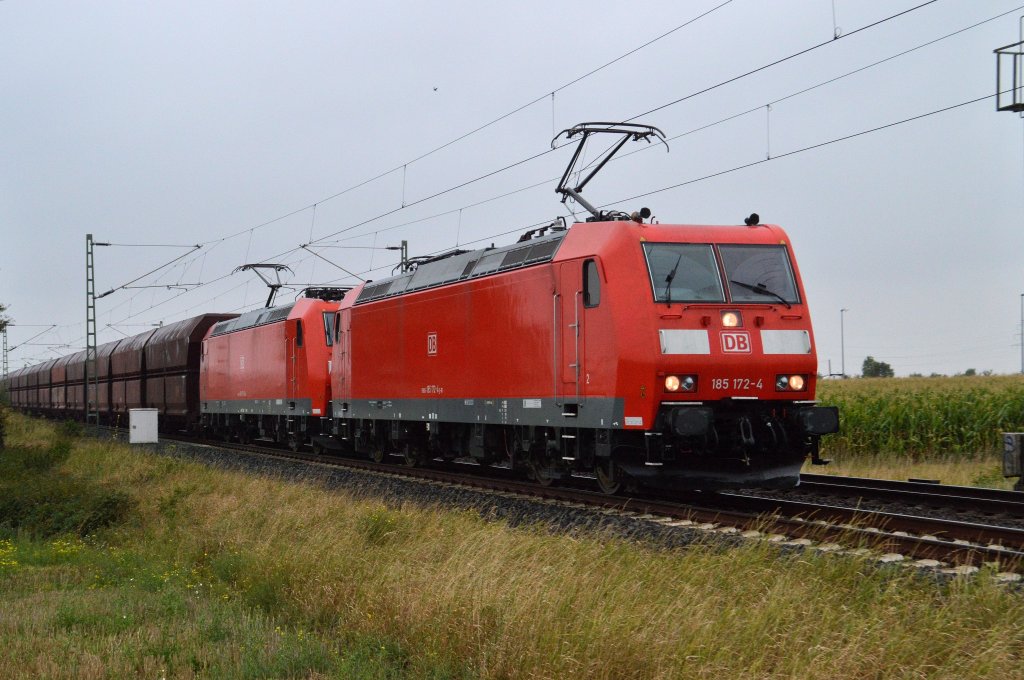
{"x":118,"y":563}
{"x":946,"y":428}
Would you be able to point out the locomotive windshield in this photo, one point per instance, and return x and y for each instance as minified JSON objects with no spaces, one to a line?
{"x":683,"y":272}
{"x":759,"y":273}
{"x":689,"y":272}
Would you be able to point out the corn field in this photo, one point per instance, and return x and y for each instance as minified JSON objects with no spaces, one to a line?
{"x":924,"y":416}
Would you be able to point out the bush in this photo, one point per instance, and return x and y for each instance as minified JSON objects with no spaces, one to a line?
{"x":44,"y":460}
{"x":71,"y":429}
{"x":38,"y":501}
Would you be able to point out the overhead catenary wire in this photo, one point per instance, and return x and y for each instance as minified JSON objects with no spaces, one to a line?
{"x":776,"y":157}
{"x":737,"y":168}
{"x":482,"y":127}
{"x":547,"y":151}
{"x":195,"y":247}
{"x":250,"y":230}
{"x":37,"y":335}
{"x":777,"y":62}
{"x":715,"y":122}
{"x":333,"y":264}
{"x":152,"y":245}
{"x":804,"y":149}
{"x":663,"y":106}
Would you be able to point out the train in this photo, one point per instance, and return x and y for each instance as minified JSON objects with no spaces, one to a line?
{"x":619,"y":349}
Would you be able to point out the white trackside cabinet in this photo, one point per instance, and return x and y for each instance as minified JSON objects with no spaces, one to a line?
{"x":142,"y":426}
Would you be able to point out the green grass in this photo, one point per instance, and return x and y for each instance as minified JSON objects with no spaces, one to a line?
{"x":198,"y":572}
{"x":924,"y":417}
{"x":935,"y":428}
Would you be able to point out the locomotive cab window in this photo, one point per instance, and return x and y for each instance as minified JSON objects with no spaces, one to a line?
{"x":683,"y":272}
{"x":328,"y":327}
{"x":759,"y":273}
{"x":298,"y":333}
{"x":591,"y":284}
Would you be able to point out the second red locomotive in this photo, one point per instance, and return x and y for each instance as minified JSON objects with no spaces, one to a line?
{"x":266,"y":374}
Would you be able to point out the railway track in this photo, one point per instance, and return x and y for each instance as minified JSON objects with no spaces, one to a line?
{"x":958,"y":546}
{"x":997,"y":503}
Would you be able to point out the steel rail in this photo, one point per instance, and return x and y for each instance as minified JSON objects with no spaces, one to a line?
{"x":974,"y":499}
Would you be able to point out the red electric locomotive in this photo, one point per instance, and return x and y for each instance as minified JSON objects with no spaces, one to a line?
{"x":668,"y":355}
{"x":266,"y":373}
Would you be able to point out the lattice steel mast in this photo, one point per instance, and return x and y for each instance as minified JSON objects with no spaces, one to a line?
{"x":91,"y":378}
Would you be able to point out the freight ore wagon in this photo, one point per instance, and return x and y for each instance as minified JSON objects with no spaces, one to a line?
{"x":158,"y":369}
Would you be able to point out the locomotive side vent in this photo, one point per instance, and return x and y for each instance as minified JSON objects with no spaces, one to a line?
{"x":461,"y":266}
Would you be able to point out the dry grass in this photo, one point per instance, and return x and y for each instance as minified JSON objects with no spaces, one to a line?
{"x":981,"y":470}
{"x":219,"y":574}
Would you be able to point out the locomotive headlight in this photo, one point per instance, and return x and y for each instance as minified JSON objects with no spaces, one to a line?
{"x":672,"y":383}
{"x":689,"y":384}
{"x":731,"y":319}
{"x":789,"y":383}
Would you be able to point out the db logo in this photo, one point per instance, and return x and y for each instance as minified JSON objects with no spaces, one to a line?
{"x":736,"y":341}
{"x":432,"y":344}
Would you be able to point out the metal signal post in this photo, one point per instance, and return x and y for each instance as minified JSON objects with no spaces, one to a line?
{"x":405,"y":254}
{"x":842,"y":339}
{"x":1010,"y":82}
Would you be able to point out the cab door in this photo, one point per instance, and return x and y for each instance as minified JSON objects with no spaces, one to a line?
{"x":567,"y":332}
{"x":577,"y":296}
{"x":296,"y":358}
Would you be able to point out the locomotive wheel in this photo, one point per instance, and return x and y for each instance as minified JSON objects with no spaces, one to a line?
{"x":293,"y":442}
{"x":377,"y":454}
{"x":538,"y":471}
{"x":412,"y":456}
{"x":604,"y":479}
{"x":318,"y":448}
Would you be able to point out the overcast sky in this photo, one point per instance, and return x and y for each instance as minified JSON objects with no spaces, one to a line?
{"x":225,"y":123}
